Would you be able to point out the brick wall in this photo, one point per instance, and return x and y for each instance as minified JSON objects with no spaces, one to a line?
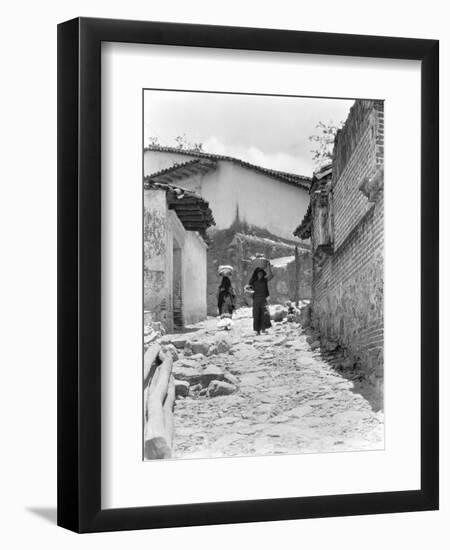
{"x":348,"y":283}
{"x":356,"y":151}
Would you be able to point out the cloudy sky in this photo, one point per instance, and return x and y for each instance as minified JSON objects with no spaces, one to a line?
{"x":268,"y":131}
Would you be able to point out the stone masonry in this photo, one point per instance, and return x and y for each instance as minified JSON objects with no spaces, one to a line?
{"x":347,"y":290}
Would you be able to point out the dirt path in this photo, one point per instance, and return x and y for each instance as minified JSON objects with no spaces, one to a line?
{"x":289,"y":401}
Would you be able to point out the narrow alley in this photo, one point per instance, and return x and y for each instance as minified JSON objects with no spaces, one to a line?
{"x":274,"y":394}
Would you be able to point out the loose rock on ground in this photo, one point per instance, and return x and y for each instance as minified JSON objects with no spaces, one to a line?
{"x":269,"y":394}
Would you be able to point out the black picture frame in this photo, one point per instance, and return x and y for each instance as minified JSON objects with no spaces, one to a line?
{"x":79,"y":274}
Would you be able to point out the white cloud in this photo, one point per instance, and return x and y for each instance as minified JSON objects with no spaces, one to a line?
{"x":270,"y":131}
{"x":277,"y":160}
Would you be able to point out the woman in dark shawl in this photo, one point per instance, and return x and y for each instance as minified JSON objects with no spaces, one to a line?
{"x":226,"y":298}
{"x":258,"y":283}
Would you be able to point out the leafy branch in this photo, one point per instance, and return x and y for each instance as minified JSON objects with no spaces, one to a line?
{"x":323,"y":142}
{"x":181,"y":143}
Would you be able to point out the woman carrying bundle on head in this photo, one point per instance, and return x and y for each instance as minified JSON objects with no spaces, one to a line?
{"x":226,"y":298}
{"x":258,"y":283}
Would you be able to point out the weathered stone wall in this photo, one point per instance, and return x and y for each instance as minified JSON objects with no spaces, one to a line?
{"x":236,"y":246}
{"x":157,"y":244}
{"x":347,"y":287}
{"x":282,"y":286}
{"x":163,"y":231}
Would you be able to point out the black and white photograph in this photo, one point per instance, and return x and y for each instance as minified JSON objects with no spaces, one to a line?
{"x":225,"y":275}
{"x":263,"y":262}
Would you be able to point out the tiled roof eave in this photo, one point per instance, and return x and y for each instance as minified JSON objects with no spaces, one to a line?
{"x":303,"y":231}
{"x":182,"y":170}
{"x":192,"y":210}
{"x":286,"y":177}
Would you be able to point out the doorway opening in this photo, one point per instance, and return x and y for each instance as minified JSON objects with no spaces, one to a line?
{"x":177,"y":287}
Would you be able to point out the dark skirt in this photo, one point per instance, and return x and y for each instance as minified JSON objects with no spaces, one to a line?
{"x":225,"y":302}
{"x":261,"y":316}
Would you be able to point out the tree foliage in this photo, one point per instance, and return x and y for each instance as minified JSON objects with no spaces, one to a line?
{"x":153,"y":141}
{"x":323,"y":141}
{"x":181,"y":142}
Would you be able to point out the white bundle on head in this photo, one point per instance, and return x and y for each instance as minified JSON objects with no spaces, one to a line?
{"x":259,"y":260}
{"x":225,"y":270}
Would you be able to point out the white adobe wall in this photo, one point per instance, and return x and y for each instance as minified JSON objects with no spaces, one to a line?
{"x":154,"y":161}
{"x":193,"y":269}
{"x":194,"y":278}
{"x":161,"y":227}
{"x":263,"y":201}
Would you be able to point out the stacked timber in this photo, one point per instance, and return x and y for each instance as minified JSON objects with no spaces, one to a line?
{"x":159,"y":402}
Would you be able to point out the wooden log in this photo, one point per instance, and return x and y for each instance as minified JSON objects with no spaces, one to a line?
{"x":168,"y":407}
{"x":145,"y":405}
{"x":158,"y":434}
{"x":150,"y":360}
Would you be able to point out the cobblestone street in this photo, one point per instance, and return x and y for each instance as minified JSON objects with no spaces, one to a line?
{"x":289,"y":399}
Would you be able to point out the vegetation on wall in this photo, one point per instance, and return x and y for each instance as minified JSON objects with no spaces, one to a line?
{"x":181,"y":142}
{"x":323,"y":142}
